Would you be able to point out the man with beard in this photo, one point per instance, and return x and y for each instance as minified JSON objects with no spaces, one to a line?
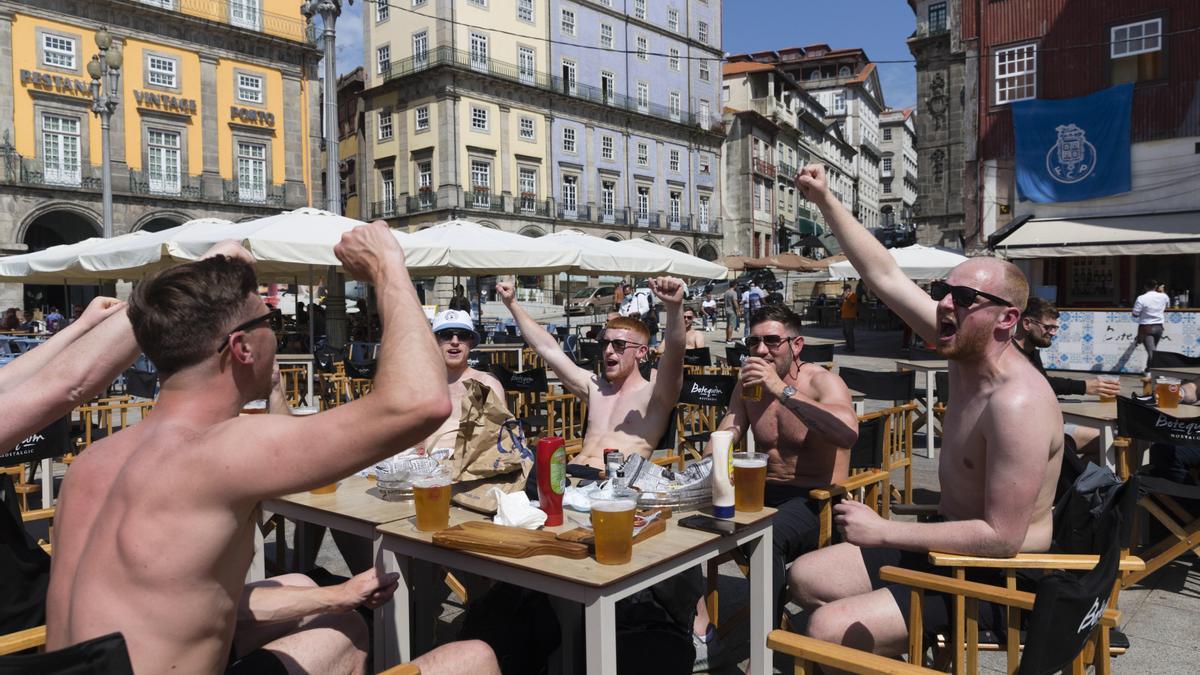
{"x":456,"y":336}
{"x":803,"y":419}
{"x":1036,"y":330}
{"x":196,"y":467}
{"x":624,"y":410}
{"x":1000,"y":453}
{"x":693,"y":339}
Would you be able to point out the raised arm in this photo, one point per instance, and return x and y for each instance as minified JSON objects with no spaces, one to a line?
{"x":408,"y":399}
{"x":829,"y":411}
{"x":269,"y":601}
{"x":574,"y":379}
{"x":870,"y":257}
{"x":81,"y":370}
{"x":33,"y":361}
{"x":669,"y":291}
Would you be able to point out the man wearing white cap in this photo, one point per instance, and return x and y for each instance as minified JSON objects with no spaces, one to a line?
{"x":455,"y":333}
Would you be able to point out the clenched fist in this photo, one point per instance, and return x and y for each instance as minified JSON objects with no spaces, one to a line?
{"x":506,"y":292}
{"x":367,"y":250}
{"x":668,"y":289}
{"x":812,"y":183}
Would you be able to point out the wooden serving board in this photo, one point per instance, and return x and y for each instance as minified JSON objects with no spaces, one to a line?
{"x":584,"y":536}
{"x":512,"y":542}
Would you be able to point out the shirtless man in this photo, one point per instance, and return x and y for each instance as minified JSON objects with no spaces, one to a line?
{"x":624,"y":410}
{"x":1000,"y":450}
{"x":196,"y":467}
{"x":693,"y":339}
{"x":805,"y":423}
{"x":455,"y":333}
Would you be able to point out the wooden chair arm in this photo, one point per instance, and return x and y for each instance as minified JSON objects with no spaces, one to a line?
{"x":972,"y":589}
{"x":915,"y":509}
{"x":37,"y":514}
{"x":22,"y":640}
{"x":1049,"y":561}
{"x":852,"y":483}
{"x":837,"y":656}
{"x":402,"y":669}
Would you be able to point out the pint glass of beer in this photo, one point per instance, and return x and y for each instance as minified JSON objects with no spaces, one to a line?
{"x":1167,"y":392}
{"x":1114,"y":379}
{"x":752,"y":392}
{"x":749,"y":480}
{"x":612,"y":525}
{"x":431,"y":494}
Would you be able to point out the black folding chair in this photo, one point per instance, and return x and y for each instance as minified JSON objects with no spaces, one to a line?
{"x":479,"y":360}
{"x":900,"y":389}
{"x":897,"y":387}
{"x":736,"y":354}
{"x":141,"y":383}
{"x":698,"y":358}
{"x":525,"y":390}
{"x":1173,"y":360}
{"x":105,"y":655}
{"x":820,"y":354}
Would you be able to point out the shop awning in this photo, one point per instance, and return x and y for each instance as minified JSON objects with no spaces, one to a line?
{"x":1143,"y":234}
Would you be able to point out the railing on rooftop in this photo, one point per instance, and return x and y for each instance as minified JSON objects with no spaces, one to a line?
{"x":245,"y":14}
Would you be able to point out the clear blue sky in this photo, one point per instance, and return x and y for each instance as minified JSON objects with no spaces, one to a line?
{"x":878,"y":26}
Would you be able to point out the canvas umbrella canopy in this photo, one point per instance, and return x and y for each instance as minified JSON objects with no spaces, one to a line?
{"x":138,"y":253}
{"x":681,"y":264}
{"x":917,"y":262}
{"x":52,"y":265}
{"x":475,"y":249}
{"x":793,"y":262}
{"x":598,"y":254}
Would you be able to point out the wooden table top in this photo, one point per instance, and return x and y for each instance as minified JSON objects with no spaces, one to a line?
{"x":1185,"y":373}
{"x":1091,"y":408}
{"x":672,"y":543}
{"x":356,"y":497}
{"x":935,"y":364}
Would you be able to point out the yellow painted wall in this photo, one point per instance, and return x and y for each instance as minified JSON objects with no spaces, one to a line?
{"x":133,"y":77}
{"x":502,"y":16}
{"x":535,"y":148}
{"x":417,"y":142}
{"x":25,"y":57}
{"x":281,"y":18}
{"x":226,"y":98}
{"x":468,"y":136}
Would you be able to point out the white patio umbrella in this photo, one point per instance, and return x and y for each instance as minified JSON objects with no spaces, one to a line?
{"x":478,"y":250}
{"x":134,"y":255}
{"x":52,"y":265}
{"x":679,"y":263}
{"x":601,"y":255}
{"x":919,"y":263}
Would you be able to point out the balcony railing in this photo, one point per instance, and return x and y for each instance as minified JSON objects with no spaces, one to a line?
{"x":186,"y":187}
{"x":763,"y":167}
{"x":383,"y":209}
{"x":483,"y":200}
{"x":269,"y":195}
{"x":424,"y":201}
{"x":457,"y":58}
{"x":925,"y":28}
{"x":242,"y":14}
{"x":786,"y":170}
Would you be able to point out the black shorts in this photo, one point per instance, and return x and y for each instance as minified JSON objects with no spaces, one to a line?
{"x":254,"y":663}
{"x":937,"y":609}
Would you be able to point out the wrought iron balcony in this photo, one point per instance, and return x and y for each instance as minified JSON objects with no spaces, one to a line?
{"x":423,"y":201}
{"x":483,"y":200}
{"x":384,"y":209}
{"x":245,"y":14}
{"x":764,"y":168}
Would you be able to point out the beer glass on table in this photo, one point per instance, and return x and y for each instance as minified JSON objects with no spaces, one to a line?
{"x":612,"y":525}
{"x":1166,"y":392}
{"x":749,"y":481}
{"x":431,"y":495}
{"x":1114,"y":379}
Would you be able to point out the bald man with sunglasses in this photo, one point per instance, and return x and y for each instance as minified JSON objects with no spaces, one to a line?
{"x":1001,"y":447}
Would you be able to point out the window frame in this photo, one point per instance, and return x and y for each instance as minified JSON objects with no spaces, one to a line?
{"x":573,"y":181}
{"x":148,"y":70}
{"x":385,"y":114}
{"x":383,"y":67}
{"x":244,"y":192}
{"x":176,"y":187}
{"x":608,"y":41}
{"x":521,"y":120}
{"x":996,"y":77}
{"x":643,"y":153}
{"x":43,"y":51}
{"x":705,"y":72}
{"x":607,"y":147}
{"x":486,"y":117}
{"x":673,"y":60}
{"x":673,"y":19}
{"x":529,"y":6}
{"x":417,"y":125}
{"x":702,"y":32}
{"x":74,"y":175}
{"x":1113,"y":42}
{"x":639,"y":9}
{"x":573,"y":140}
{"x":240,"y":87}
{"x":382,"y":11}
{"x":674,"y":160}
{"x":643,"y":48}
{"x":387,"y":190}
{"x":564,"y":26}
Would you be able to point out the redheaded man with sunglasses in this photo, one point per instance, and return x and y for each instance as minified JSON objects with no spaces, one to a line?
{"x":1001,"y":446}
{"x":624,"y":410}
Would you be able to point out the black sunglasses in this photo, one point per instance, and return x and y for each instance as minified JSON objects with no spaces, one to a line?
{"x":449,"y":334}
{"x":269,"y":316}
{"x":963,"y":296}
{"x":619,"y":346}
{"x":771,"y":341}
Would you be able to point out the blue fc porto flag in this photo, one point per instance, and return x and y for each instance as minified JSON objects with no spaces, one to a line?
{"x":1074,"y":148}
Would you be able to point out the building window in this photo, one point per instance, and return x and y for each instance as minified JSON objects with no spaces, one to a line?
{"x":387,"y":191}
{"x":385,"y":125}
{"x":425,"y":183}
{"x":643,"y":97}
{"x":569,"y":194}
{"x":1137,"y":52}
{"x":674,"y":60}
{"x":674,"y":101}
{"x":845,"y":71}
{"x":250,"y":88}
{"x":839,"y":103}
{"x":420,"y":42}
{"x":479,"y":118}
{"x":479,"y":51}
{"x":58,"y":51}
{"x":60,"y":150}
{"x":527,"y":184}
{"x":1016,"y":73}
{"x":702,"y":32}
{"x":937,"y":18}
{"x":162,"y":71}
{"x":643,"y":47}
{"x":643,"y":204}
{"x":526,"y":128}
{"x":245,"y":13}
{"x":568,"y":77}
{"x":381,"y":11}
{"x":705,"y":163}
{"x":162,"y":161}
{"x":417,"y":3}
{"x":421,"y":116}
{"x":639,"y":9}
{"x":703,"y":113}
{"x":643,"y":154}
{"x":606,"y":36}
{"x":383,"y":60}
{"x":704,"y":74}
{"x":673,"y":160}
{"x":887,"y":164}
{"x":568,"y":139}
{"x":252,"y":172}
{"x":675,"y":204}
{"x":887,"y":186}
{"x":568,"y":21}
{"x":887,"y":134}
{"x":525,"y":10}
{"x":703,"y":212}
{"x":481,"y":182}
{"x":526,"y":65}
{"x":607,"y":199}
{"x":673,"y":20}
{"x":478,"y":3}
{"x":725,"y":93}
{"x":608,"y":86}
{"x":606,"y":147}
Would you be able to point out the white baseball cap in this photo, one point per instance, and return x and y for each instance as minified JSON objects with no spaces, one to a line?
{"x":453,"y":318}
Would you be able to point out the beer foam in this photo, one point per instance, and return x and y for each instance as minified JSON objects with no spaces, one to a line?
{"x":431,"y":481}
{"x":614,"y":505}
{"x":745,"y":463}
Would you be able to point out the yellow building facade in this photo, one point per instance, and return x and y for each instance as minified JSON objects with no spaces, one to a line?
{"x":217,"y":116}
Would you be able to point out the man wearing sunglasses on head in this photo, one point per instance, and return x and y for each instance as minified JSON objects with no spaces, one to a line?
{"x":1000,"y":458}
{"x":624,"y":410}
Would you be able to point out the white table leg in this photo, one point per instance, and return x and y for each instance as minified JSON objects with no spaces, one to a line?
{"x":47,"y":482}
{"x":1108,"y":443}
{"x":393,"y":644}
{"x":258,"y":565}
{"x":762,"y":591}
{"x":860,"y":407}
{"x":600,"y":628}
{"x":569,"y":624}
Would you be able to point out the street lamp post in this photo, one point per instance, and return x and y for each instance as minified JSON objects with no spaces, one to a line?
{"x":105,"y":70}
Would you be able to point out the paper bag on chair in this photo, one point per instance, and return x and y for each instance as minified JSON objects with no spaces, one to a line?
{"x":490,"y":450}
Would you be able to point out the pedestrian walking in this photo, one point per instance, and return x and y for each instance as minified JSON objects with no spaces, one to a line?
{"x":1148,"y":311}
{"x":849,"y":315}
{"x":733,"y":310}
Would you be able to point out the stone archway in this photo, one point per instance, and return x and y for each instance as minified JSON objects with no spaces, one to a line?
{"x":161,"y":220}
{"x":52,"y":226}
{"x":707,"y":252}
{"x":532,"y":231}
{"x":680,"y":246}
{"x":613,"y":237}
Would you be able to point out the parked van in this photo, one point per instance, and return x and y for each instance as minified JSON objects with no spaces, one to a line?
{"x":591,"y":300}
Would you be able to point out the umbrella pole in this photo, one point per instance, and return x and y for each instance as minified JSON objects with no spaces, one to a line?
{"x":312,"y":313}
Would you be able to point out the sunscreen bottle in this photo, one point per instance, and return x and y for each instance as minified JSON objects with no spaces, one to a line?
{"x":722,"y":483}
